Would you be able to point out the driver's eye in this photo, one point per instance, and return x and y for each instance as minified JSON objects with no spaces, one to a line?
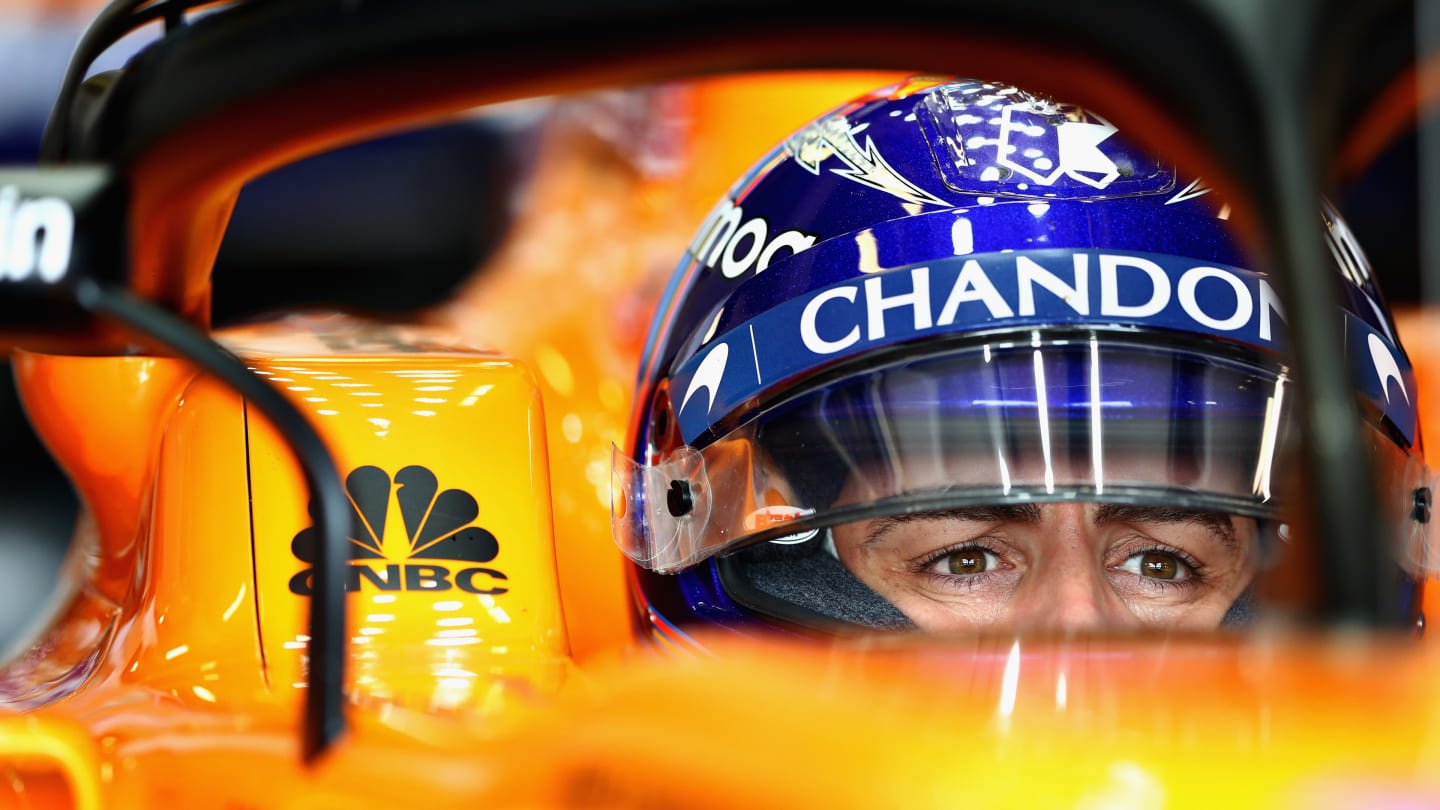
{"x":971,"y":561}
{"x":1157,"y":565}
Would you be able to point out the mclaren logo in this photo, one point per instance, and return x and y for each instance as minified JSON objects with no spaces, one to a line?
{"x":438,"y":529}
{"x":1386,"y":368}
{"x":708,"y":376}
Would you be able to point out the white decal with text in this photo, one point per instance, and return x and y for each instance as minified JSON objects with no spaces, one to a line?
{"x":35,"y":237}
{"x":843,"y":316}
{"x":735,"y":244}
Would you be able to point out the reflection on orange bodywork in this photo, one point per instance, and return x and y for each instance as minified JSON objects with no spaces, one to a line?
{"x":485,"y":588}
{"x":456,"y":624}
{"x":48,"y":763}
{"x":617,"y":195}
{"x":1260,"y":722}
{"x":123,"y":404}
{"x":81,"y":11}
{"x":178,"y":645}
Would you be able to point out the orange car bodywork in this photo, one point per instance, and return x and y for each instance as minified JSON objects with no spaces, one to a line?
{"x":492,"y":641}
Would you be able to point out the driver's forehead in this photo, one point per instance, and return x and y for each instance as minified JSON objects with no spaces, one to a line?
{"x":917,"y":469}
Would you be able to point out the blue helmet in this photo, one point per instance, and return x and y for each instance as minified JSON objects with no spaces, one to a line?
{"x":953,"y":315}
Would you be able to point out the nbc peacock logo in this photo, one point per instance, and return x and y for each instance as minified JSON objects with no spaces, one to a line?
{"x":441,"y":549}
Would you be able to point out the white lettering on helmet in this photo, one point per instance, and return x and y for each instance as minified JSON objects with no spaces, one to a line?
{"x":1148,"y":291}
{"x":1269,"y":303}
{"x":812,"y":338}
{"x":973,"y":285}
{"x":736,"y":244}
{"x":1029,"y":273}
{"x":1244,"y":306}
{"x":754,"y":231}
{"x":35,"y":237}
{"x":794,"y":241}
{"x":918,"y":299}
{"x":1110,"y":305}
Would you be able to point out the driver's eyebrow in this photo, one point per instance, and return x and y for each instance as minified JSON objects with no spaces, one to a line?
{"x":1218,"y":524}
{"x":998,"y":513}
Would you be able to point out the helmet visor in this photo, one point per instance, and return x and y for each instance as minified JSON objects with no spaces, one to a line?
{"x":1034,"y":418}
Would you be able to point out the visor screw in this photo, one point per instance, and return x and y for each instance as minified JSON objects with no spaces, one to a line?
{"x":680,"y":499}
{"x":1420,"y":512}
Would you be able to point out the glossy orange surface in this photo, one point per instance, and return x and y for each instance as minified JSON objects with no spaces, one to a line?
{"x":185,"y":598}
{"x":493,"y":655}
{"x":571,"y":292}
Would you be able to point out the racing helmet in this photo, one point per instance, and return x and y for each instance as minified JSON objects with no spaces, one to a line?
{"x":950,"y":305}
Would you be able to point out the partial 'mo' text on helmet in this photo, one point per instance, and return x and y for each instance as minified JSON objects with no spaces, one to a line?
{"x":737,"y":244}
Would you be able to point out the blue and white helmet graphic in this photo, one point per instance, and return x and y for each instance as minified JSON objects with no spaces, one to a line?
{"x":951,"y":296}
